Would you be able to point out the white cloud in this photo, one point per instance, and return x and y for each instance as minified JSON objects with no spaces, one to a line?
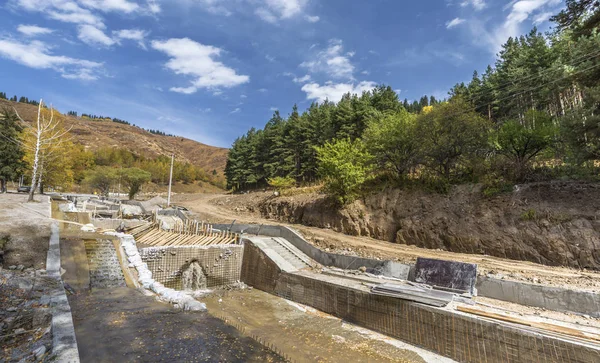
{"x":65,"y":11}
{"x":37,"y":55}
{"x":303,"y":79}
{"x":334,"y":91}
{"x":274,"y":10}
{"x":215,"y":7}
{"x":124,"y":6}
{"x":274,"y":109}
{"x":236,"y":110}
{"x":85,"y":11}
{"x":454,"y":22}
{"x":332,"y":61}
{"x":270,"y":58}
{"x":154,"y":7}
{"x":263,"y":90}
{"x":266,"y":15}
{"x":33,"y":30}
{"x":197,"y":60}
{"x":93,"y":36}
{"x":243,"y":96}
{"x":132,"y":34}
{"x":542,"y":17}
{"x":520,"y":11}
{"x":476,"y":4}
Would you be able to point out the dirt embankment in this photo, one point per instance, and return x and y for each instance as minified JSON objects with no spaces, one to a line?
{"x":548,"y":223}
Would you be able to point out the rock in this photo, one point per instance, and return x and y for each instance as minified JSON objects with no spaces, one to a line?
{"x":42,"y":317}
{"x":20,"y":267}
{"x":11,"y":309}
{"x":19,"y":331}
{"x":12,"y":267}
{"x":39,"y":352}
{"x":362,"y":269}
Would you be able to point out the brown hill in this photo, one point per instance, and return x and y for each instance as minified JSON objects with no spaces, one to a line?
{"x":100,"y":134}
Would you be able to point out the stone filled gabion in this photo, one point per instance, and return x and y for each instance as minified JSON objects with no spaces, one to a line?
{"x":180,"y":299}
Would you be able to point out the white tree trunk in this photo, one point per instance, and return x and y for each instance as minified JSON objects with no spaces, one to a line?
{"x":36,"y":157}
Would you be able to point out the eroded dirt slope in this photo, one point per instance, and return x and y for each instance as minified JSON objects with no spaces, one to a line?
{"x":547,"y":223}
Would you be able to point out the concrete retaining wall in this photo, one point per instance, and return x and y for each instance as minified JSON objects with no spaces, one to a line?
{"x":386,"y":268}
{"x":458,"y":336}
{"x":220,"y":263}
{"x":64,"y":341}
{"x":548,"y":297}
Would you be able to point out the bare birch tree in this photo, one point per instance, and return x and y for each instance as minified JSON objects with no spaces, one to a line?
{"x":43,"y":138}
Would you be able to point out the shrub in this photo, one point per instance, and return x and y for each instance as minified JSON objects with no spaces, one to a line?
{"x":281,"y":183}
{"x":345,"y":166}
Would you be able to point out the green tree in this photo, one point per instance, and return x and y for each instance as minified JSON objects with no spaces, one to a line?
{"x":393,"y":143}
{"x":521,"y":142}
{"x":345,"y":165}
{"x":450,"y":134}
{"x":134,"y":179}
{"x":581,"y":16}
{"x":11,"y":151}
{"x":101,"y":178}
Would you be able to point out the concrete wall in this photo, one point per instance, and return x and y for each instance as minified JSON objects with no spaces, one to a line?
{"x":386,"y":268}
{"x":220,"y":263}
{"x":458,"y":336}
{"x":552,"y":298}
{"x":548,"y":297}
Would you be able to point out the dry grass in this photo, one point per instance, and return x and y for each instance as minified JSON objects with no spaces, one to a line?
{"x":101,"y":134}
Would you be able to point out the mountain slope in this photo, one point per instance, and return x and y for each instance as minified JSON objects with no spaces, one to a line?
{"x":100,"y":134}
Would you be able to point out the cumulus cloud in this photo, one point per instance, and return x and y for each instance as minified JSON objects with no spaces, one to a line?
{"x":312,"y":18}
{"x":454,"y":22}
{"x":335,"y":91}
{"x":37,"y":54}
{"x":91,"y":35}
{"x":332,"y":61}
{"x":33,"y":30}
{"x":132,"y":34}
{"x":198,"y":61}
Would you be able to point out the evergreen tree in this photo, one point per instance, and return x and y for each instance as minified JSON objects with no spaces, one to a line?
{"x":11,"y":152}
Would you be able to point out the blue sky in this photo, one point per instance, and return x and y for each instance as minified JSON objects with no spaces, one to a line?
{"x":211,"y":69}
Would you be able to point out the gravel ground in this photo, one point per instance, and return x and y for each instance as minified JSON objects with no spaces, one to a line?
{"x":24,"y":312}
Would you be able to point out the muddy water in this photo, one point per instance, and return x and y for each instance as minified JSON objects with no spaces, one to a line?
{"x":307,"y":335}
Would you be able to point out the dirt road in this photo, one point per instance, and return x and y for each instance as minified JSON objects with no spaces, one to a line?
{"x":210,"y":207}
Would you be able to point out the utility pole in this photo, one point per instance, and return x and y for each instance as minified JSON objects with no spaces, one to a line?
{"x":170,"y":180}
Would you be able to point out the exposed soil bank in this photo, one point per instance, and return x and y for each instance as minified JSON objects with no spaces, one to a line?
{"x":554,"y":223}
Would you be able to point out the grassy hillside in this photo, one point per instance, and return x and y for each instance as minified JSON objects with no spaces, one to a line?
{"x":101,"y":134}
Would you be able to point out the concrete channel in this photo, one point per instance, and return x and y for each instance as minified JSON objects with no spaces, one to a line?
{"x":277,"y":260}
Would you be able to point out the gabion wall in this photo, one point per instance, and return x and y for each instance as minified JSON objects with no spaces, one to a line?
{"x":220,"y":263}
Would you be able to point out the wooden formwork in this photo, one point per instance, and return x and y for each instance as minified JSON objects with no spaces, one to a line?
{"x":186,"y":233}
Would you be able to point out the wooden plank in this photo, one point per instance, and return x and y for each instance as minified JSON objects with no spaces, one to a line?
{"x":535,"y":324}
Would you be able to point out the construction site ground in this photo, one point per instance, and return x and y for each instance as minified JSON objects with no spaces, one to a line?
{"x":221,"y":208}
